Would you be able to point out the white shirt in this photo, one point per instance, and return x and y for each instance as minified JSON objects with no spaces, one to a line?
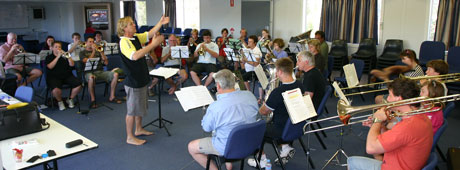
{"x":255,"y":53}
{"x":169,"y":61}
{"x":207,"y":58}
{"x":75,"y":53}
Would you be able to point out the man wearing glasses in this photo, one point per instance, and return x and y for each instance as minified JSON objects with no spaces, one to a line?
{"x":168,"y":61}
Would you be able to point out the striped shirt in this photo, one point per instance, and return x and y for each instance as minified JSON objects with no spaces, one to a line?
{"x":416,"y":72}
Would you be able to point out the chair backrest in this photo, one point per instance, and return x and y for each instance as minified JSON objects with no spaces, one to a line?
{"x":339,"y":48}
{"x":187,"y":32}
{"x":448,"y":109}
{"x":244,"y":140}
{"x":367,"y":44}
{"x":322,"y":105}
{"x":431,"y":50}
{"x":330,"y":64}
{"x":392,"y":49}
{"x":24,"y":94}
{"x":292,"y":131}
{"x":432,"y":162}
{"x":168,"y":30}
{"x":114,"y":62}
{"x":177,"y":30}
{"x":453,"y":58}
{"x":359,"y":67}
{"x":438,"y":134}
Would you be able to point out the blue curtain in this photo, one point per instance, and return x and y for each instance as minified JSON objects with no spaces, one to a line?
{"x":447,"y":24}
{"x":350,"y":20}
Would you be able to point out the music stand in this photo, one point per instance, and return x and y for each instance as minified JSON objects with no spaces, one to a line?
{"x":247,"y":53}
{"x":112,"y":47}
{"x":91,"y":66}
{"x":294,"y":47}
{"x":178,"y":52}
{"x":339,"y":151}
{"x":25,"y":59}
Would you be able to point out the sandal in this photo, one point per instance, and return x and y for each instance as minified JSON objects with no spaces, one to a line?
{"x":115,"y":100}
{"x":93,"y":105}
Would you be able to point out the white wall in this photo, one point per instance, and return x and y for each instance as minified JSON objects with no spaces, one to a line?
{"x":287,"y":18}
{"x":217,"y":14}
{"x":154,"y":11}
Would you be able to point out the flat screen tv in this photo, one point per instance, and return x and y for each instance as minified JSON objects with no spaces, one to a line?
{"x":98,"y":16}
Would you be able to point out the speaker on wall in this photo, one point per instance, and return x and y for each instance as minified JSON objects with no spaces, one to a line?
{"x":39,"y":13}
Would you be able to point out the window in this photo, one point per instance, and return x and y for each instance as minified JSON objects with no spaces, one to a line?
{"x":312,"y":15}
{"x":141,"y":12}
{"x":433,"y":19}
{"x":188,"y":14}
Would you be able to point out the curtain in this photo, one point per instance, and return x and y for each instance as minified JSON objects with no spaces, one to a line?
{"x":129,"y":9}
{"x":350,"y":20}
{"x":447,"y":25}
{"x":170,"y":10}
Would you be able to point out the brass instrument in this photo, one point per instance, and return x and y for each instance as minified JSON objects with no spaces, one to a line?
{"x":66,"y":55}
{"x":446,"y":78}
{"x":201,"y":51}
{"x":99,"y":48}
{"x":82,"y":45}
{"x":268,"y":58}
{"x":346,"y":113}
{"x":20,"y":50}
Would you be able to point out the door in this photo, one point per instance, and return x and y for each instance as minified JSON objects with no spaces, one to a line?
{"x":255,"y":16}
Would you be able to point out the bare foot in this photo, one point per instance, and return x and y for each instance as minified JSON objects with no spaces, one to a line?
{"x":143,"y":132}
{"x":172,"y":90}
{"x":135,"y":141}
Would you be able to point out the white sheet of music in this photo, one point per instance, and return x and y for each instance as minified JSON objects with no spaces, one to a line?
{"x":44,"y":53}
{"x":350,"y":75}
{"x":249,"y":55}
{"x":339,"y":92}
{"x":231,"y":54}
{"x":91,"y":64}
{"x":261,"y":76}
{"x":26,"y":58}
{"x":193,"y":97}
{"x":164,"y":72}
{"x":111,"y":48}
{"x":299,"y":107}
{"x":182,"y":54}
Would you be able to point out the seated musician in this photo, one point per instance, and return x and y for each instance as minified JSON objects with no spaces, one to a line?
{"x":313,"y":82}
{"x":207,"y":61}
{"x":98,"y":39}
{"x":48,"y":42}
{"x":7,"y":53}
{"x":244,"y":37}
{"x":168,"y":61}
{"x":275,"y":104}
{"x":278,"y":52}
{"x":324,"y":48}
{"x":74,"y":49}
{"x":231,"y":109}
{"x":435,"y":68}
{"x":314,"y":46}
{"x":99,"y":73}
{"x":265,"y":36}
{"x":408,"y":144}
{"x":222,"y":43}
{"x":192,"y":43}
{"x":59,"y":72}
{"x":250,"y":62}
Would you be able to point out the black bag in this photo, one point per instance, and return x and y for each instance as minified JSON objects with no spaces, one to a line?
{"x":20,"y":121}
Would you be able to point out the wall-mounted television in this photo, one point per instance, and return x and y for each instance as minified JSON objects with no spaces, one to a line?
{"x":98,"y":16}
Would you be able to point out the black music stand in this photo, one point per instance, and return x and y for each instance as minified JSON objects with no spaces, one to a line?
{"x":93,"y":66}
{"x":180,"y":51}
{"x":252,"y":75}
{"x":308,"y":151}
{"x":25,"y":59}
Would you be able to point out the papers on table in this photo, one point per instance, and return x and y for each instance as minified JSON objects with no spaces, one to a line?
{"x":179,"y":52}
{"x":165,"y":72}
{"x":91,"y":64}
{"x":26,"y":58}
{"x":44,"y":53}
{"x":299,"y":107}
{"x":261,"y":76}
{"x":231,"y":54}
{"x":350,"y":75}
{"x":193,"y":97}
{"x":340,"y":93}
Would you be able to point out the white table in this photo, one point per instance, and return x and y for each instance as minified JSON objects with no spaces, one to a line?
{"x":53,"y":138}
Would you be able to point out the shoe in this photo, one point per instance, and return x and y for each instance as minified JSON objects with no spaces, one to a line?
{"x":70,"y":103}
{"x":286,"y":154}
{"x":61,"y":105}
{"x":262,"y":163}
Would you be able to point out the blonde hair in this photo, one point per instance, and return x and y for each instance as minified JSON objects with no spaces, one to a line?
{"x":122,"y":24}
{"x":194,"y":30}
{"x":316,"y":43}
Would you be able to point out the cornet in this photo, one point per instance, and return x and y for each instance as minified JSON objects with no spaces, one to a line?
{"x":20,"y":50}
{"x":66,"y":55}
{"x":201,"y":51}
{"x":268,"y":58}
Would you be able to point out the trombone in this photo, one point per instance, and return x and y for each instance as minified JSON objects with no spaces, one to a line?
{"x":445,"y":78}
{"x":346,"y":113}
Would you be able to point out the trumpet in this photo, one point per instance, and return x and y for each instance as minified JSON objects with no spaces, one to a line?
{"x":99,"y":48}
{"x":66,"y":55}
{"x":346,"y":113}
{"x":20,"y":50}
{"x":201,"y":51}
{"x":82,"y":45}
{"x":446,"y":78}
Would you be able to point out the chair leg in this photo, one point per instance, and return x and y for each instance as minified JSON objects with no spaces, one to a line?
{"x":327,"y":111}
{"x":83,"y":91}
{"x":319,"y":138}
{"x":307,"y":154}
{"x":218,"y":162}
{"x":242,"y":164}
{"x":208,"y":162}
{"x":277,"y":152}
{"x":440,"y":153}
{"x":257,"y":160}
{"x":322,"y":132}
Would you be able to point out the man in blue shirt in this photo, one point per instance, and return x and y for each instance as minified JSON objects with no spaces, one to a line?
{"x":232,"y":108}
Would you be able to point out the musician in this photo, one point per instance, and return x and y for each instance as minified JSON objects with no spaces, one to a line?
{"x":324,"y":48}
{"x":232,"y":108}
{"x":206,"y":62}
{"x":98,"y":39}
{"x":222,"y":42}
{"x":7,"y":53}
{"x":192,"y":43}
{"x":433,"y":89}
{"x":435,"y":68}
{"x":275,"y":104}
{"x":59,"y":72}
{"x":250,"y":62}
{"x":408,"y":144}
{"x":48,"y":43}
{"x":244,"y":37}
{"x":315,"y":49}
{"x":313,"y":82}
{"x":137,"y":73}
{"x":278,"y":52}
{"x":75,"y":47}
{"x":265,"y":36}
{"x":92,"y":76}
{"x":168,"y":61}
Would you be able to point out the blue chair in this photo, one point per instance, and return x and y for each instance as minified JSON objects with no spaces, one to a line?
{"x":449,"y":107}
{"x":243,"y":141}
{"x":432,"y":162}
{"x":320,"y":110}
{"x":453,"y":58}
{"x":24,"y":94}
{"x":359,"y":66}
{"x":431,"y":50}
{"x":177,"y":31}
{"x":436,"y":138}
{"x":187,"y":32}
{"x":143,"y":28}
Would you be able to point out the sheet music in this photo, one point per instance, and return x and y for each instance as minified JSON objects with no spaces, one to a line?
{"x":299,"y":107}
{"x":249,"y":55}
{"x":91,"y":64}
{"x":193,"y":97}
{"x":340,"y":93}
{"x":164,"y":72}
{"x":111,"y":48}
{"x":44,"y":53}
{"x":30,"y":58}
{"x":261,"y":76}
{"x":231,"y":54}
{"x":350,"y":75}
{"x":175,"y":52}
{"x":295,"y":47}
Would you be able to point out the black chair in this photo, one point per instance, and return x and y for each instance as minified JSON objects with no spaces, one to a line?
{"x":390,"y":54}
{"x":339,"y":51}
{"x":367,"y":51}
{"x":431,"y":50}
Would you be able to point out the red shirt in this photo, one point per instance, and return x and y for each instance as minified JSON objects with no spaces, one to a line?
{"x":408,"y":144}
{"x":437,"y":119}
{"x":221,"y":50}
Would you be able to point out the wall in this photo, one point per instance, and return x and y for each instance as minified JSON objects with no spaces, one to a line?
{"x":287,"y":18}
{"x":217,"y":14}
{"x":154,"y":11}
